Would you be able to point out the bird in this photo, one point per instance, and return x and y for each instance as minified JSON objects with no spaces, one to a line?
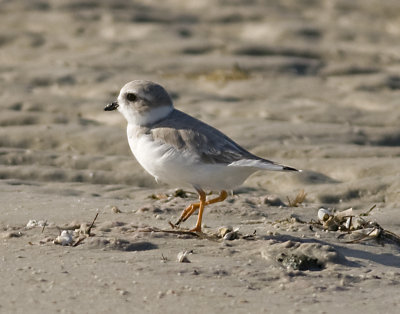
{"x":178,"y":149}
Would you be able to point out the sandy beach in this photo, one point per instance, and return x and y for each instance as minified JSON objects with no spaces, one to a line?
{"x":310,"y":84}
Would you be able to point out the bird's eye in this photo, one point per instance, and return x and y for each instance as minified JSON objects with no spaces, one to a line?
{"x":131,"y":97}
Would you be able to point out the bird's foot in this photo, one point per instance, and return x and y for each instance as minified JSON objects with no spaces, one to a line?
{"x":196,"y":229}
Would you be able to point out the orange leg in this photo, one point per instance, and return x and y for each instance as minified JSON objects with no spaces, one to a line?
{"x":222,"y":196}
{"x":202,"y":202}
{"x":188,"y":211}
{"x":193,"y":208}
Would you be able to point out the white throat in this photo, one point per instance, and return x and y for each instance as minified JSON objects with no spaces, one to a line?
{"x":148,"y":117}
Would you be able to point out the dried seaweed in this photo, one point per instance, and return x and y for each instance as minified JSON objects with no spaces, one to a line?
{"x":356,"y":226}
{"x":299,"y":199}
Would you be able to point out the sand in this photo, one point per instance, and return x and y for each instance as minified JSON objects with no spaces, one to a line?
{"x":311,"y":84}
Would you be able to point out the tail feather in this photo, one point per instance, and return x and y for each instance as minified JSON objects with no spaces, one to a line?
{"x":262,"y":164}
{"x":286,"y":168}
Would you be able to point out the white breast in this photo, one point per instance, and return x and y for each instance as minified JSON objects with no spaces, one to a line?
{"x":146,"y":151}
{"x":181,"y":168}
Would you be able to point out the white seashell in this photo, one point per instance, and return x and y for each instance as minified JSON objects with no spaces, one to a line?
{"x":348,"y":223}
{"x":182,"y":257}
{"x":65,"y":238}
{"x":324,"y":214}
{"x":232,"y":235}
{"x":32,"y":224}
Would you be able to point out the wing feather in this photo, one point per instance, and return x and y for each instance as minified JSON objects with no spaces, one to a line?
{"x":210,"y":145}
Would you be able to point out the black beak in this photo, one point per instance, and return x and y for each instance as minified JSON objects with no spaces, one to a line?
{"x":110,"y":107}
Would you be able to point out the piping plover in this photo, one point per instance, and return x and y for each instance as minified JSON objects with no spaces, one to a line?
{"x":178,"y":149}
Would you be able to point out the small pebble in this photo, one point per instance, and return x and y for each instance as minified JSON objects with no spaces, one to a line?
{"x":115,"y":210}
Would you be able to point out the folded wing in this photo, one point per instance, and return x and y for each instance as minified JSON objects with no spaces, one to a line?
{"x":210,"y":145}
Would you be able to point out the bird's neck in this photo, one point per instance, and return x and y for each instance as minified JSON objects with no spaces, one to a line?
{"x":151,"y":116}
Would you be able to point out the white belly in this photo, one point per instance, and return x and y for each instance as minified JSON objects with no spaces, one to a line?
{"x":180,"y":168}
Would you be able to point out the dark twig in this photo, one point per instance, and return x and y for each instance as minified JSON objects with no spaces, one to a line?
{"x":175,"y":231}
{"x":44,"y":225}
{"x":77,"y":242}
{"x":200,"y":235}
{"x":164,"y":258}
{"x":367,"y":213}
{"x":91,"y":226}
